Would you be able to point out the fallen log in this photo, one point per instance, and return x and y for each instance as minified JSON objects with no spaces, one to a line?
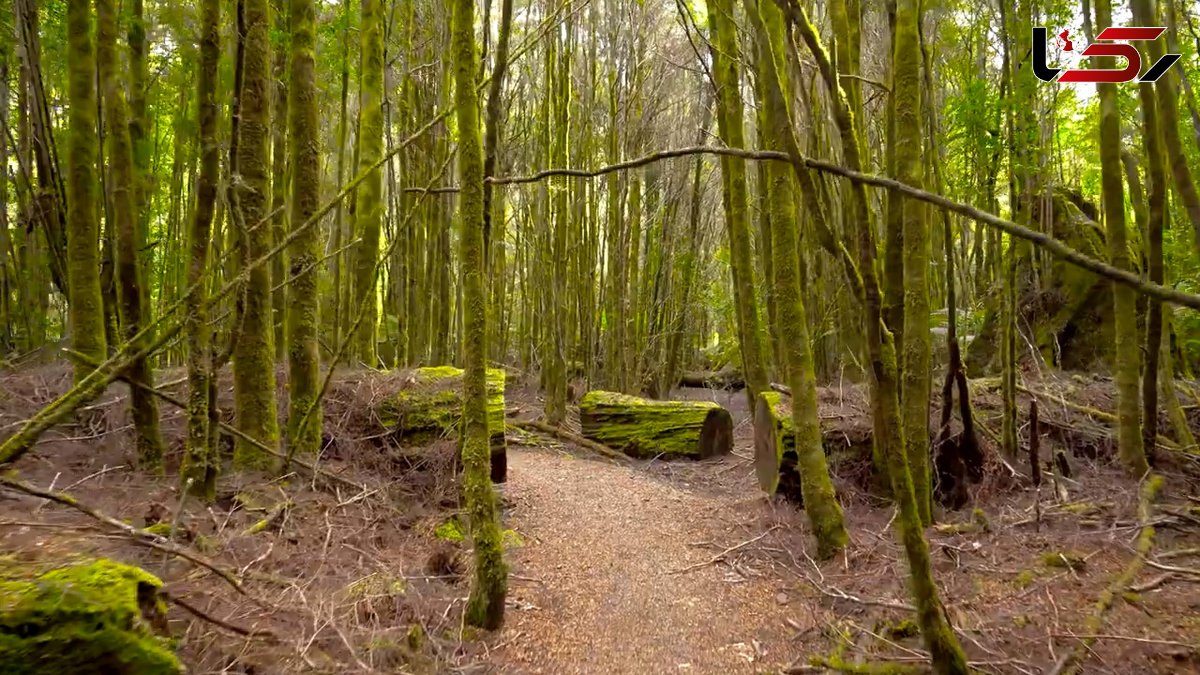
{"x":645,"y":428}
{"x":429,"y":405}
{"x":775,"y":447}
{"x":563,"y":434}
{"x":726,"y":378}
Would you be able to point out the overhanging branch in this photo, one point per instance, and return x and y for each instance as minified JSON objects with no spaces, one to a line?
{"x":1046,"y":242}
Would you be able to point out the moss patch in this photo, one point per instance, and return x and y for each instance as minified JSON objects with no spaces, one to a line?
{"x":100,"y":617}
{"x":1063,"y":560}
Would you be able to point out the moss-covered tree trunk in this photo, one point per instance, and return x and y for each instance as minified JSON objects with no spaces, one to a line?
{"x":647,"y":428}
{"x":122,"y":186}
{"x":1129,"y":427}
{"x":485,"y":607}
{"x":86,"y":303}
{"x":201,"y":462}
{"x":820,"y":502}
{"x":279,"y":177}
{"x":254,"y":353}
{"x":1144,"y":14}
{"x":730,"y":129}
{"x":303,"y":308}
{"x":917,"y":357}
{"x":946,"y":656}
{"x":368,"y":211}
{"x":1168,"y":96}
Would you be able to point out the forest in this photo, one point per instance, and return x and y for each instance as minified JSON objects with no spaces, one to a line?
{"x":599,"y":336}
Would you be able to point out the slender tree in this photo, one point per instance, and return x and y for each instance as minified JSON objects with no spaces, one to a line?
{"x":130,"y":273}
{"x":254,"y":353}
{"x":485,"y":607}
{"x":304,"y":129}
{"x":201,"y":462}
{"x":729,"y":125}
{"x":1129,"y":427}
{"x":368,"y":212}
{"x":86,"y":302}
{"x":917,"y":351}
{"x":819,"y":500}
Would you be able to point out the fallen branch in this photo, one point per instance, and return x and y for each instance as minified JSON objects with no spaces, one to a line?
{"x":141,"y":537}
{"x":220,"y":623}
{"x":722,"y":554}
{"x":1069,"y":662}
{"x":563,"y":434}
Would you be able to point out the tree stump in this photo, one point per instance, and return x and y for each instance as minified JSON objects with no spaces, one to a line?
{"x":775,"y":447}
{"x":644,"y":428}
{"x":429,"y":405}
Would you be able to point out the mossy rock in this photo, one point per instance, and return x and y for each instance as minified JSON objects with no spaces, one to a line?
{"x":102,"y":618}
{"x":1069,"y":310}
{"x":647,"y":428}
{"x":430,"y":406}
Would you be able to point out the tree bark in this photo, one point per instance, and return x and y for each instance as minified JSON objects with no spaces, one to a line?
{"x":368,"y":210}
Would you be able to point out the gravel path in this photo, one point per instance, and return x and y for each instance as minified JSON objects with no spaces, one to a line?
{"x":599,"y":587}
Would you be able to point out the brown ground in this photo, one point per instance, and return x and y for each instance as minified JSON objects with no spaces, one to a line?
{"x":637,"y":567}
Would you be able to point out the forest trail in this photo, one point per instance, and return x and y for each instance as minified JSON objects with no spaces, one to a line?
{"x":613,"y":577}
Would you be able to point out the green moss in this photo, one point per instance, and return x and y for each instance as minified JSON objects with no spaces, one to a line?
{"x":1025,"y":578}
{"x":415,"y":636}
{"x":160,"y":529}
{"x":645,"y":428}
{"x":451,"y":530}
{"x":432,"y":406}
{"x":511,"y":539}
{"x":1021,"y":620}
{"x":904,"y":629}
{"x":1063,"y":560}
{"x":95,"y":618}
{"x":376,"y":584}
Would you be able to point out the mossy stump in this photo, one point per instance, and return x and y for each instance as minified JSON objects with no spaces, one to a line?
{"x":645,"y":428}
{"x":100,"y":617}
{"x":429,"y":405}
{"x":775,"y":447}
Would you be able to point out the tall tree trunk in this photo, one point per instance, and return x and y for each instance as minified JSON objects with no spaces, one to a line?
{"x":917,"y":357}
{"x":493,"y":205}
{"x":86,"y":304}
{"x":730,"y":128}
{"x":368,"y":210}
{"x":485,"y":606}
{"x":254,"y":353}
{"x":946,"y":656}
{"x":339,"y":221}
{"x":1144,"y":13}
{"x":279,"y":179}
{"x":1129,"y":427}
{"x":820,"y":502}
{"x":201,"y":461}
{"x":130,"y":271}
{"x":304,"y":308}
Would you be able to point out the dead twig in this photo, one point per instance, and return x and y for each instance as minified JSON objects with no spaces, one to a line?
{"x":716,"y":558}
{"x":220,"y":623}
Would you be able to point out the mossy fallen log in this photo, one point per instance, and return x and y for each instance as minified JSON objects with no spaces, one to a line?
{"x":645,"y":428}
{"x":775,"y":447}
{"x":100,"y":617}
{"x":429,"y":405}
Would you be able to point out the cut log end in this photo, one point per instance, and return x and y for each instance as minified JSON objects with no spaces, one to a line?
{"x":716,"y":434}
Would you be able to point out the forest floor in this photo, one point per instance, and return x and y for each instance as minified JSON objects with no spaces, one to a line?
{"x":618,"y":567}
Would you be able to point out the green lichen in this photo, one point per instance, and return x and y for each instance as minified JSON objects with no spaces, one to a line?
{"x":100,"y":617}
{"x":160,"y":529}
{"x":1021,"y":620}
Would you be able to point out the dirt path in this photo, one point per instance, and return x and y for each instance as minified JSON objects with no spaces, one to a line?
{"x":599,"y":586}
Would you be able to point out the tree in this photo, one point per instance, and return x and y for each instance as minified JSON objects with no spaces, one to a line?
{"x":302,"y":317}
{"x":254,"y":353}
{"x":819,"y":500}
{"x":130,"y":270}
{"x":1129,"y":426}
{"x":485,"y":607}
{"x":733,"y":170}
{"x":83,"y":226}
{"x":916,"y":368}
{"x":368,"y":211}
{"x":201,"y":463}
